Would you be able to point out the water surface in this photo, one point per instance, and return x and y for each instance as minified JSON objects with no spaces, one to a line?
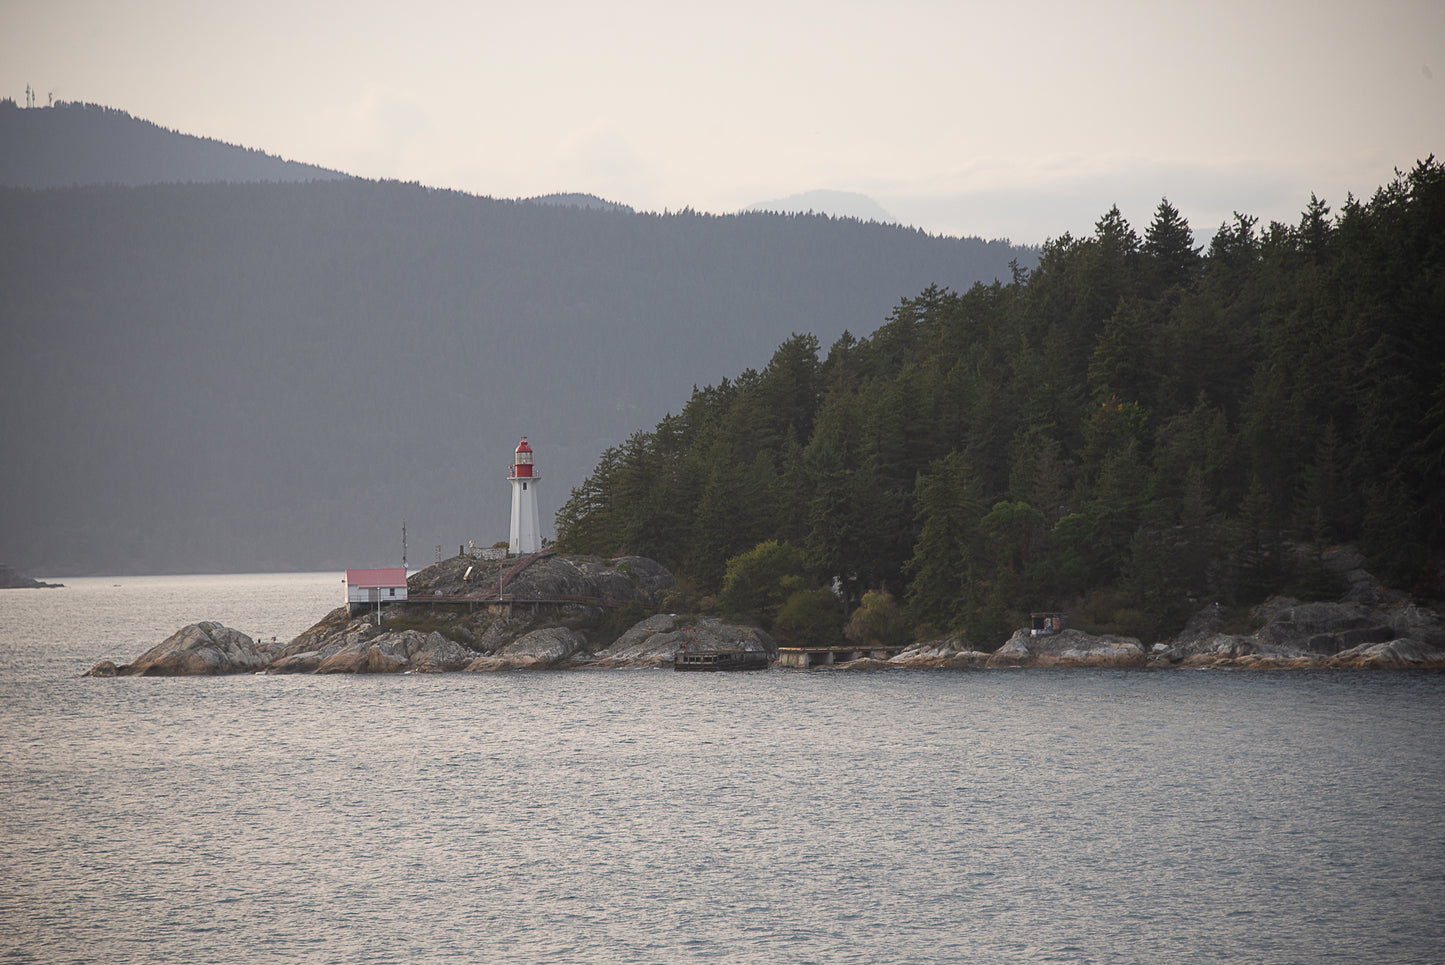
{"x":647,"y":816}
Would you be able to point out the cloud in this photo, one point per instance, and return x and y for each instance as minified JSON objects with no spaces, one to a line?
{"x":389,"y":134}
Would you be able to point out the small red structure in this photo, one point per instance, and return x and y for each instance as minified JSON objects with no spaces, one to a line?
{"x":375,"y":586}
{"x":522,"y":464}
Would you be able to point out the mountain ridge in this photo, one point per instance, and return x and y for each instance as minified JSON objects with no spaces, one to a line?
{"x":263,"y":376}
{"x":78,"y":144}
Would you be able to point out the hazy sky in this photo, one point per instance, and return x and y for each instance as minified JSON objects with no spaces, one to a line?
{"x":1019,"y":119}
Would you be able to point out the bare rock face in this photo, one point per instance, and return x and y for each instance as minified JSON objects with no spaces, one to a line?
{"x":649,"y":578}
{"x":1401,"y":654}
{"x":437,"y":654}
{"x":946,"y":654}
{"x":546,"y":576}
{"x":1323,"y":628}
{"x":384,"y":653}
{"x":407,"y":651}
{"x":1297,"y":635}
{"x":1069,"y":648}
{"x":200,"y":649}
{"x":306,"y":662}
{"x":655,"y":641}
{"x":1417,"y":623}
{"x":538,"y":650}
{"x":321,"y":634}
{"x":651,"y":643}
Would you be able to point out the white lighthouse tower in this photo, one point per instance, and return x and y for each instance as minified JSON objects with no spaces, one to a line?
{"x":526,"y":523}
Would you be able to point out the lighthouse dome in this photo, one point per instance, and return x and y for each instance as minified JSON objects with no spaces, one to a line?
{"x":522,"y":464}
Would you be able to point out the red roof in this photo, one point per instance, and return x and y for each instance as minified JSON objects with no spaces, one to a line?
{"x":522,"y":446}
{"x":393,"y":576}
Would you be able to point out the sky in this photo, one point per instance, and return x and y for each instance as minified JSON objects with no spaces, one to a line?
{"x":1020,"y":120}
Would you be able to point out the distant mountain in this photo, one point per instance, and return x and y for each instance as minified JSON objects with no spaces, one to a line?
{"x":214,"y":377}
{"x":590,"y":201}
{"x":74,"y":144}
{"x":839,"y":204}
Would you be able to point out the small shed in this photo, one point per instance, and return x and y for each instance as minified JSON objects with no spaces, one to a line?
{"x":375,"y":586}
{"x":1048,"y":624}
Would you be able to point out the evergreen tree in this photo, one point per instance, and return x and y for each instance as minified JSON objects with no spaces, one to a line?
{"x":1170,"y":259}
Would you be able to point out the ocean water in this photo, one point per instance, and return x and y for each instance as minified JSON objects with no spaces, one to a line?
{"x":648,"y":816}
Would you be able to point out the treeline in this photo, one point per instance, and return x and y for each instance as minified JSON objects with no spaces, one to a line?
{"x":1132,"y":427}
{"x":71,"y":143}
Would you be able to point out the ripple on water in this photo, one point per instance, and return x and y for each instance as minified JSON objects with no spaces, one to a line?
{"x":650,"y":816}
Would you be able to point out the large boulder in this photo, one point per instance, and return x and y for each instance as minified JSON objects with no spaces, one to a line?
{"x":384,"y":653}
{"x":1417,"y":623}
{"x":1322,"y":628}
{"x":328,"y":639}
{"x":395,"y":652}
{"x":201,"y":649}
{"x":538,"y":650}
{"x":948,"y":653}
{"x":1403,"y":653}
{"x":1347,"y":564}
{"x":437,"y":654}
{"x":306,"y":662}
{"x":1292,"y":635}
{"x":1068,"y":648}
{"x":655,"y":641}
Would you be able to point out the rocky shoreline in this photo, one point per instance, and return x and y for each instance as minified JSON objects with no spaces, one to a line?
{"x":559,"y":613}
{"x":11,"y":580}
{"x":1294,"y":636}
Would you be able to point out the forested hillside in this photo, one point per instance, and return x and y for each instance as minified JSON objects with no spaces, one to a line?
{"x":75,"y":144}
{"x":1132,"y":427}
{"x":237,"y":377}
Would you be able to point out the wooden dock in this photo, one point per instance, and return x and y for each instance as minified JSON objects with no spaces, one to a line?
{"x":826,"y":656}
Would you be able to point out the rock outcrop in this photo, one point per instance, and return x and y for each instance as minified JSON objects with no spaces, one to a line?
{"x":1294,"y":635}
{"x":1068,"y":648}
{"x":11,"y":580}
{"x":541,"y":649}
{"x":949,"y":653}
{"x":409,"y":651}
{"x":655,"y":641}
{"x":546,"y":576}
{"x":200,"y":649}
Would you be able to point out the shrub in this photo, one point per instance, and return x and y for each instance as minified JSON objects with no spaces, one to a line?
{"x":810,"y":618}
{"x":877,"y":622}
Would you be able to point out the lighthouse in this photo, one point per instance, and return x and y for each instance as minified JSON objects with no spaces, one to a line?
{"x":526,"y":523}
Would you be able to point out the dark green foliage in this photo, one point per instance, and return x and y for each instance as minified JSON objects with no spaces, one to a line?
{"x":878,"y":622}
{"x":1132,"y":424}
{"x":810,"y":618}
{"x":759,"y":580}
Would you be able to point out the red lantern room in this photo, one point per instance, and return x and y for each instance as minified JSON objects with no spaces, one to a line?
{"x":526,"y":520}
{"x":522,"y":466}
